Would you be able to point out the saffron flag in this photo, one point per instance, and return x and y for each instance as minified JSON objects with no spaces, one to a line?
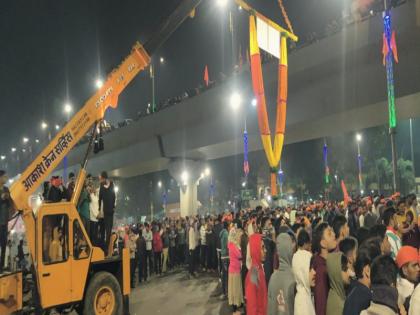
{"x":346,"y":196}
{"x":206,"y":76}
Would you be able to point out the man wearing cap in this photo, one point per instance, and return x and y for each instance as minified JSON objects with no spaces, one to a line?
{"x":409,"y":269}
{"x":6,"y":207}
{"x":415,"y":298}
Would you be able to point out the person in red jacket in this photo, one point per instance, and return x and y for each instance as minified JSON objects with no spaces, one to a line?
{"x":255,"y":285}
{"x":157,"y":249}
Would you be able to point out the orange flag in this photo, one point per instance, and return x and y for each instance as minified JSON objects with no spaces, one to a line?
{"x":345,"y":193}
{"x":206,"y":76}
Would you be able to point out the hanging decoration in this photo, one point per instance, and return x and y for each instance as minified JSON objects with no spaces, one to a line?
{"x":206,"y":76}
{"x":164,"y":199}
{"x":246,"y":163}
{"x":327,"y":169}
{"x":389,"y":51}
{"x":273,"y":39}
{"x":281,"y":180}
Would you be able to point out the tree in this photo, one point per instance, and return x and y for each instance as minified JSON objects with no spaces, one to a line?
{"x":406,"y":176}
{"x":384,"y":172}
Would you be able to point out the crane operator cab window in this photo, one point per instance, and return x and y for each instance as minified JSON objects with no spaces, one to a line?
{"x":55,"y":238}
{"x":81,"y":247}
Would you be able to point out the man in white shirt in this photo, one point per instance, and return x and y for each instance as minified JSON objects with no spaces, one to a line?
{"x":148,"y":237}
{"x":192,"y":244}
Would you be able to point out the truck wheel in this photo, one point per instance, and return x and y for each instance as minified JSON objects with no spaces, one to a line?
{"x":103,"y":296}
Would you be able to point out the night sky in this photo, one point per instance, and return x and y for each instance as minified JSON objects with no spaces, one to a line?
{"x":53,"y":51}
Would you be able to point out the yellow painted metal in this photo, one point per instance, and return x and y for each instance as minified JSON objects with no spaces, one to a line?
{"x":274,"y":25}
{"x":283,"y":51}
{"x":78,"y":187}
{"x":126,"y":272}
{"x":10,"y":293}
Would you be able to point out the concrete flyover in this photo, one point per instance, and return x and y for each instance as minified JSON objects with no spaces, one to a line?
{"x":336,"y":85}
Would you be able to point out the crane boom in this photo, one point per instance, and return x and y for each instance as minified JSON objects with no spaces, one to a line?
{"x":93,"y":110}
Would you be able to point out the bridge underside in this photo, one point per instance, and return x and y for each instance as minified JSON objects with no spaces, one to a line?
{"x":336,"y":85}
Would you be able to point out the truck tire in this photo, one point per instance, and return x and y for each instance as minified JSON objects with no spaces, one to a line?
{"x":103,"y":295}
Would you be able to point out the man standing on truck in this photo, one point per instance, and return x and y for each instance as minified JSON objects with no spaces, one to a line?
{"x":107,"y":201}
{"x":6,"y":207}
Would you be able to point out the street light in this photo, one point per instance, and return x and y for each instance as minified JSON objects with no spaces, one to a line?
{"x":25,"y":140}
{"x":235,"y":100}
{"x":222,"y":3}
{"x":207,"y":172}
{"x":36,"y":141}
{"x":57,"y":127}
{"x":162,"y":60}
{"x":99,"y":83}
{"x":184,"y":177}
{"x":159,"y":184}
{"x":243,"y":184}
{"x":254,"y":102}
{"x":13,"y":150}
{"x":44,"y":125}
{"x":358,"y":137}
{"x":2,"y":157}
{"x":116,"y":189}
{"x":68,"y":108}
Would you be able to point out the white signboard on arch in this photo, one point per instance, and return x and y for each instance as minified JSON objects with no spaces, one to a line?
{"x":268,"y":38}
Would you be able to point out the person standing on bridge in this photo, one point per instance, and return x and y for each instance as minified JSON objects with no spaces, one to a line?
{"x":107,"y":200}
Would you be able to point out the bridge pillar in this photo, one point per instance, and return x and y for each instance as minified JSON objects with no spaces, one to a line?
{"x":187,"y":174}
{"x":188,"y":198}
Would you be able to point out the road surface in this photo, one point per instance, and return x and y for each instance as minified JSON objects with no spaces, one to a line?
{"x":176,"y":294}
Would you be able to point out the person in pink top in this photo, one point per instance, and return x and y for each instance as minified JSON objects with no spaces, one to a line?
{"x":235,"y":292}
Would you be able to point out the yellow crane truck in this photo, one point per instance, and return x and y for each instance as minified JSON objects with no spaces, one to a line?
{"x":68,"y":270}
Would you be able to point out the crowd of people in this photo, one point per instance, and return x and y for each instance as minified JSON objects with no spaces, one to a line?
{"x":323,"y":258}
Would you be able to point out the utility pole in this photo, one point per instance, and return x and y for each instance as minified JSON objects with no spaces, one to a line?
{"x":412,"y":146}
{"x":151,"y":201}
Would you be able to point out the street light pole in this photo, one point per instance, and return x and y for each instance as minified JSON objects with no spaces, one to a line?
{"x":412,"y":146}
{"x":151,"y":201}
{"x":359,"y":161}
{"x":152,"y":76}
